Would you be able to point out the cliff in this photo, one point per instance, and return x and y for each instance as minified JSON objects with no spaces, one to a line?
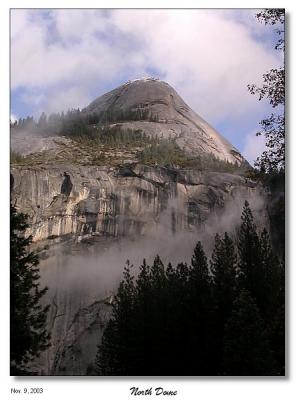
{"x":130,"y":200}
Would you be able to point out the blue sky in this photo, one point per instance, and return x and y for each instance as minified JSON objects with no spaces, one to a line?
{"x":62,"y":59}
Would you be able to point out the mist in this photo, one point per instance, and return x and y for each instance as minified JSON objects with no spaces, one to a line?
{"x":93,"y":272}
{"x":24,"y":142}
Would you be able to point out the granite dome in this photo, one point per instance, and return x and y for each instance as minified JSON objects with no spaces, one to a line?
{"x":156,"y":108}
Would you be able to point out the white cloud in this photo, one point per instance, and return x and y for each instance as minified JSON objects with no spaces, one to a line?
{"x":19,"y":23}
{"x":78,"y":24}
{"x":253,"y":147}
{"x":209,"y":56}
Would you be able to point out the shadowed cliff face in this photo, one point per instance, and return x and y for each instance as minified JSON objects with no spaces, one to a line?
{"x":155,"y":107}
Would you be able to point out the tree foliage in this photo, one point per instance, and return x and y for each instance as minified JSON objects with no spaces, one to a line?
{"x":273,"y":89}
{"x":223,"y":316}
{"x":274,"y":16}
{"x":246,"y":348}
{"x":28,"y":335}
{"x":166,"y":152}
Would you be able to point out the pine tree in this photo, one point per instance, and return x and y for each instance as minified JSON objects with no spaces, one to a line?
{"x":252,"y":276}
{"x":224,"y":272}
{"x":200,"y":281}
{"x":115,"y":354}
{"x":246,"y":346}
{"x":272,"y":276}
{"x":260,"y":270}
{"x":28,"y":335}
{"x":263,"y":276}
{"x":201,"y":325}
{"x":274,"y":301}
{"x":199,"y":272}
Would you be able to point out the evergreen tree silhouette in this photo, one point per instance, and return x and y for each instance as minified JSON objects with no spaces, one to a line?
{"x":28,"y":335}
{"x":252,"y":276}
{"x":224,"y":271}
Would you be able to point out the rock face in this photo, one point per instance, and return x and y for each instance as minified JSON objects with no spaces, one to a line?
{"x":80,"y":200}
{"x":76,"y":325}
{"x":155,"y":107}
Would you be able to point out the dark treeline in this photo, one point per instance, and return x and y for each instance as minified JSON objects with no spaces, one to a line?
{"x":116,"y":137}
{"x":166,"y":152}
{"x":77,"y":122}
{"x":71,"y":123}
{"x":223,"y":316}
